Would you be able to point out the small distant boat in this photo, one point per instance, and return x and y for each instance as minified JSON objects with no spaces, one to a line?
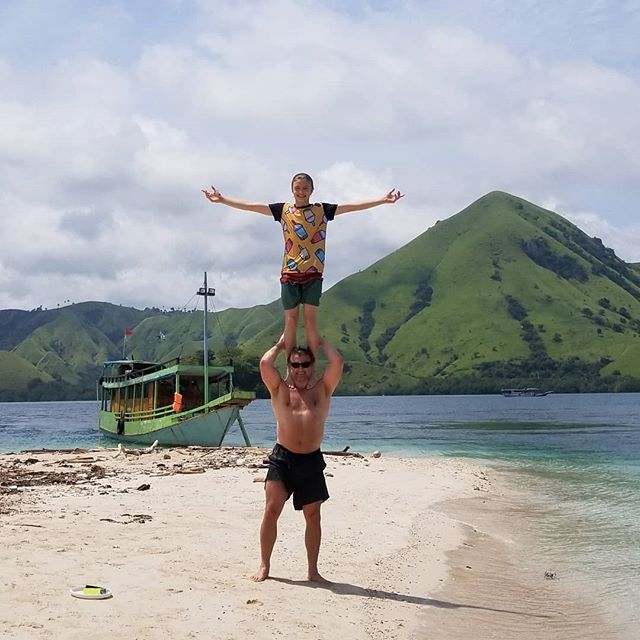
{"x":531,"y":392}
{"x":172,"y":402}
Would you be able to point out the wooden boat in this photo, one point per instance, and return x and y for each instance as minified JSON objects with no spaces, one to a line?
{"x":173,"y":402}
{"x":525,"y":391}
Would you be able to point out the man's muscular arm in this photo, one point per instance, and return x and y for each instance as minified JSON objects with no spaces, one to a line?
{"x":333,"y":371}
{"x":270,"y":375}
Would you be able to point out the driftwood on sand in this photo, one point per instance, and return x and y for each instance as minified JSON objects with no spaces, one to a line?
{"x":135,"y":452}
{"x":351,"y":454}
{"x":41,"y":467}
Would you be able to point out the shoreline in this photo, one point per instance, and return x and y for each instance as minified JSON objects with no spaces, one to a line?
{"x":504,"y":583}
{"x":398,"y":536}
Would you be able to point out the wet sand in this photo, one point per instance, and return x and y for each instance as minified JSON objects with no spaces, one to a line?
{"x":503,"y":583}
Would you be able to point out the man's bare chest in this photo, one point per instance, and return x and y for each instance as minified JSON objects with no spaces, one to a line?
{"x":303,"y":402}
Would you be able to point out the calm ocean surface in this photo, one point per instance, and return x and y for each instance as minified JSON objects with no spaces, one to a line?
{"x":574,"y":457}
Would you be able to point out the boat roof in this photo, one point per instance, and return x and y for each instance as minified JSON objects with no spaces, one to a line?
{"x":144,"y":372}
{"x":168,"y":367}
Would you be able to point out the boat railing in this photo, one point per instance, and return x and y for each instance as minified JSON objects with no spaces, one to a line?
{"x":149,"y":414}
{"x":233,"y":398}
{"x":154,"y":414}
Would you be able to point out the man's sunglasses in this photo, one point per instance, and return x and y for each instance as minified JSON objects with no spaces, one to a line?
{"x":297,"y":365}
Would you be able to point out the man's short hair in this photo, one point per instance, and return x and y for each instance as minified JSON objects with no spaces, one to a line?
{"x":298,"y":351}
{"x":303,"y":176}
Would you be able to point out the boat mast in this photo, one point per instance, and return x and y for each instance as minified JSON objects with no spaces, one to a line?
{"x":206,"y":292}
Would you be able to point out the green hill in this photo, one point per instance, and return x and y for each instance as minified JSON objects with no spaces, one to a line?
{"x":504,"y":293}
{"x":20,"y":379}
{"x":501,"y":281}
{"x":68,"y":348}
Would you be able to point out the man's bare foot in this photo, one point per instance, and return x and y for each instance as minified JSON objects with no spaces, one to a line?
{"x":316,"y":577}
{"x":261,"y":574}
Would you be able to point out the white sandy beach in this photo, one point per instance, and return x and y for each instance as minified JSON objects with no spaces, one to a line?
{"x":401,"y":543}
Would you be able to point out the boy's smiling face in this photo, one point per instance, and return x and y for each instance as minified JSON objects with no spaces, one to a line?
{"x":302,"y":191}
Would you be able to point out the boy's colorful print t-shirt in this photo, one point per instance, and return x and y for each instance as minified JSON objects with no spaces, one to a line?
{"x":304,"y":232}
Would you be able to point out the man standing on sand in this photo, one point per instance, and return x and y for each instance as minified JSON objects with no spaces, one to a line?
{"x":296,"y":465}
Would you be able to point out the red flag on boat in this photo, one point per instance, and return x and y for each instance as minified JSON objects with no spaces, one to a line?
{"x":128,"y":332}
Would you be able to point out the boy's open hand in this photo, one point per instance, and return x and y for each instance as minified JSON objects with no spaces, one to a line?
{"x":393,"y":196}
{"x":213,"y":196}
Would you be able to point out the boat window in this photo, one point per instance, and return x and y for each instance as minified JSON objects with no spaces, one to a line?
{"x":166,"y":389}
{"x":106,"y":399}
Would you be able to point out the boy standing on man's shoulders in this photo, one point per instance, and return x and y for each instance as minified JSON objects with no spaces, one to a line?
{"x":304,"y":227}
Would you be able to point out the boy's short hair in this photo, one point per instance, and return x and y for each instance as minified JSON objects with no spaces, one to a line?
{"x":302,"y":176}
{"x":298,"y":351}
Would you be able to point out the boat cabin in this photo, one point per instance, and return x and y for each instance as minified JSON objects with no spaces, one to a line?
{"x":145,"y":389}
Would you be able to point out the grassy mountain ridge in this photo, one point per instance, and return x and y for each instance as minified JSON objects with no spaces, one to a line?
{"x":18,"y":375}
{"x":68,"y":348}
{"x":501,"y":294}
{"x":16,"y":325}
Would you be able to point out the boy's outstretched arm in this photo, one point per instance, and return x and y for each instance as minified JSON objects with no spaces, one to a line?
{"x":217,"y":198}
{"x":393,"y":196}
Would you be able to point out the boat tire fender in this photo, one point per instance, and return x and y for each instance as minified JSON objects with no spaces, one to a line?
{"x":120,"y":423}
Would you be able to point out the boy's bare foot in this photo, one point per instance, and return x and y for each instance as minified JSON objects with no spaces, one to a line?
{"x":261,"y":574}
{"x":316,"y":577}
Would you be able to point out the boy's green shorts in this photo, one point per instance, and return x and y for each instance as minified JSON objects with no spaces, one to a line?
{"x":295,"y":294}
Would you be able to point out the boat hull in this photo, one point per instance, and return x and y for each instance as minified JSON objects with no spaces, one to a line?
{"x":206,"y":428}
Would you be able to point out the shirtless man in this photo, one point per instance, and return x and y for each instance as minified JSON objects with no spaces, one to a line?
{"x":300,"y":405}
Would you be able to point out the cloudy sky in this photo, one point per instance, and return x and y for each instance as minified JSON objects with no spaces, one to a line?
{"x":114,"y":114}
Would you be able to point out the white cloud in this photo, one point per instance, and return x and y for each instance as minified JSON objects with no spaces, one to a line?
{"x":106,"y":142}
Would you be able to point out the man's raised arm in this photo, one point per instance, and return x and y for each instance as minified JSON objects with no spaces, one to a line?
{"x":333,"y":371}
{"x":217,"y":198}
{"x":270,"y":375}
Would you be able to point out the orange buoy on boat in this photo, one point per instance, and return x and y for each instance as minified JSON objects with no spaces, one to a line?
{"x":177,"y":402}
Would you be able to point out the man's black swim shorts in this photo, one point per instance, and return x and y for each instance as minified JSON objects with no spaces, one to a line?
{"x":301,"y":473}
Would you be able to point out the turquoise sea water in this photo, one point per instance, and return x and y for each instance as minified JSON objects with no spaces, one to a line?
{"x":573,"y":458}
